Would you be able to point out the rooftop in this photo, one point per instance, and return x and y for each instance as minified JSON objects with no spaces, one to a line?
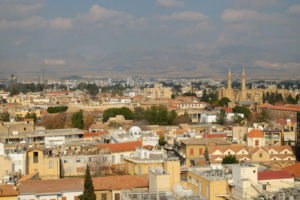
{"x":120,"y":182}
{"x":267,"y":175}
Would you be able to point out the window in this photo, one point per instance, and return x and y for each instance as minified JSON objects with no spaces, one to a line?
{"x":50,"y":164}
{"x":191,"y":151}
{"x":260,"y":155}
{"x":208,"y":192}
{"x":264,"y":187}
{"x":117,"y":196}
{"x":149,"y":169}
{"x":140,"y":170}
{"x":200,"y":152}
{"x":35,"y":157}
{"x":285,"y":152}
{"x":103,"y":196}
{"x":256,"y":142}
{"x":113,"y":159}
{"x":78,"y":160}
{"x":200,"y":188}
{"x":64,"y":198}
{"x":24,"y":129}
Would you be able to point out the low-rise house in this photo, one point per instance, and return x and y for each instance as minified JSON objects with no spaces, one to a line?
{"x":114,"y":187}
{"x":143,"y":160}
{"x":272,"y":181}
{"x":63,"y":189}
{"x":118,"y":151}
{"x":193,"y":149}
{"x":8,"y":192}
{"x":217,"y":153}
{"x":288,"y":131}
{"x":255,"y":138}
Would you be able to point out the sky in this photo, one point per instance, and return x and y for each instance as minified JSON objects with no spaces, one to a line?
{"x":157,"y":37}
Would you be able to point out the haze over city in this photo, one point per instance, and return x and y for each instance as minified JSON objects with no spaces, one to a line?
{"x":153,"y":38}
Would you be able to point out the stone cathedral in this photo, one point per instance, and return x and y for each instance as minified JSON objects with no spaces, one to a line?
{"x":248,"y":95}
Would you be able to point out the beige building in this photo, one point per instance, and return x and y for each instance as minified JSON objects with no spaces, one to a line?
{"x":207,"y":183}
{"x":194,"y":149}
{"x":158,"y":91}
{"x":5,"y":167}
{"x":47,"y":165}
{"x":116,"y":187}
{"x":244,"y":94}
{"x":15,"y":128}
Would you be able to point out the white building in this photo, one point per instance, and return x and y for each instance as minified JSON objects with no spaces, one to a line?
{"x":51,"y":141}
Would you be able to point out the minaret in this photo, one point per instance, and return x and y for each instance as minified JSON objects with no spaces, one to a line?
{"x":244,"y":79}
{"x":244,"y":92}
{"x":229,"y":78}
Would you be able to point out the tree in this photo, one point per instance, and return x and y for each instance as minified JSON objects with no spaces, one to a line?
{"x":291,"y":100}
{"x":92,"y":89}
{"x":161,"y":140}
{"x":189,"y":94}
{"x":243,"y":110}
{"x":88,"y":120}
{"x":5,"y":117}
{"x":31,"y":116}
{"x":159,"y":115}
{"x":112,"y":112}
{"x":221,"y":117}
{"x":263,"y":116}
{"x":138,"y":113}
{"x":237,"y":119}
{"x":77,"y":120}
{"x":182,"y":119}
{"x":57,"y":109}
{"x":230,"y":159}
{"x":224,"y":101}
{"x":57,"y":121}
{"x":88,"y":193}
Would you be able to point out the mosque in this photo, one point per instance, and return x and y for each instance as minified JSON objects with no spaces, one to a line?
{"x":248,"y":95}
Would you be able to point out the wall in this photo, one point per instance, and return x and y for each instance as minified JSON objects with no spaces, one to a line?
{"x":43,"y":165}
{"x":274,"y":185}
{"x":5,"y":166}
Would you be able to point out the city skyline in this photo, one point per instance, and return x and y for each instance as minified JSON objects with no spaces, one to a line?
{"x":157,"y":38}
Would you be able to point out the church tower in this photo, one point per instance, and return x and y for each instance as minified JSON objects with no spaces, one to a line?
{"x":229,"y":78}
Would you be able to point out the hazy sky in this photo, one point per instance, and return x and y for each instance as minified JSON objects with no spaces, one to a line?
{"x":117,"y":35}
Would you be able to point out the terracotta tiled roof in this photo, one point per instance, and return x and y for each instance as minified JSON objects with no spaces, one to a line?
{"x":120,"y":182}
{"x":282,"y":156}
{"x":203,"y":141}
{"x":181,"y":131}
{"x":224,"y":148}
{"x":27,"y":177}
{"x":51,"y":186}
{"x":161,"y":132}
{"x":293,"y":169}
{"x":228,"y":110}
{"x":265,"y":105}
{"x":279,"y":149}
{"x":86,"y":135}
{"x":220,"y":135}
{"x":8,"y":191}
{"x":267,"y":175}
{"x":121,"y":147}
{"x":254,"y":133}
